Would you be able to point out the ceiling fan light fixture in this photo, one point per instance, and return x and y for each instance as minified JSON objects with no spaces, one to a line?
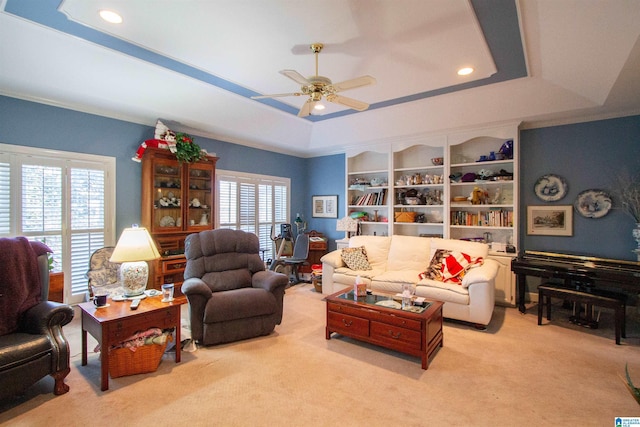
{"x":465,"y":71}
{"x":111,"y":16}
{"x":318,"y":87}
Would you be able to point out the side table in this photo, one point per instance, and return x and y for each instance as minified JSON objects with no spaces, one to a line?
{"x":113,"y":324}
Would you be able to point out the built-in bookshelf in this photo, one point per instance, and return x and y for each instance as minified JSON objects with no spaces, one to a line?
{"x":425,"y":186}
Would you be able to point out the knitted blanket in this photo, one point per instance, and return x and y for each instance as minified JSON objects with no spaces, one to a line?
{"x":20,"y":286}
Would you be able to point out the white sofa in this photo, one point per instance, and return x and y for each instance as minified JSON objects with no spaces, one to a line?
{"x":400,"y":259}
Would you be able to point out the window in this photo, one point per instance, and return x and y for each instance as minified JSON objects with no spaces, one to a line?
{"x":254,"y":203}
{"x":63,"y":199}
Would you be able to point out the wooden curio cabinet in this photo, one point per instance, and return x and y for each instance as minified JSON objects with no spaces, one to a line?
{"x":177,"y":200}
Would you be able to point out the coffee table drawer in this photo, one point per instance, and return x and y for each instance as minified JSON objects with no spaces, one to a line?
{"x":347,"y":309}
{"x":392,"y":319}
{"x":349,"y":325}
{"x":395,"y":336}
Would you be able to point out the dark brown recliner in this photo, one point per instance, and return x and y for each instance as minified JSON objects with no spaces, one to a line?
{"x":32,"y":344}
{"x":231,"y":295}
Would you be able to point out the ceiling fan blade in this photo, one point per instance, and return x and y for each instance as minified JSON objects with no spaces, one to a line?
{"x":306,"y":108}
{"x":348,"y":102}
{"x":296,"y":77}
{"x":276,"y":95}
{"x":354,"y":83}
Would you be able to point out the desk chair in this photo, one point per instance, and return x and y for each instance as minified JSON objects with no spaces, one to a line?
{"x":300,"y":255}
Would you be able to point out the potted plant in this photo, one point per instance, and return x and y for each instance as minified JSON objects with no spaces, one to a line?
{"x":186,"y":150}
{"x":635,"y":391}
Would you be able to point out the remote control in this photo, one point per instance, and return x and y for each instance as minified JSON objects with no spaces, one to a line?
{"x":134,"y":304}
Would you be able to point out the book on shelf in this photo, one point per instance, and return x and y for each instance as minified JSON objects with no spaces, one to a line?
{"x":491,"y":218}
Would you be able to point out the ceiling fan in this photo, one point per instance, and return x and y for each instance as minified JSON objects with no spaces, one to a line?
{"x":318,"y":86}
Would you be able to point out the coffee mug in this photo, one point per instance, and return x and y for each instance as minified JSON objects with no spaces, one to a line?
{"x":100,"y":300}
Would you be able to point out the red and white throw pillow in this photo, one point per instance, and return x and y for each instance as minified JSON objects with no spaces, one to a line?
{"x":456,"y":265}
{"x":450,"y":266}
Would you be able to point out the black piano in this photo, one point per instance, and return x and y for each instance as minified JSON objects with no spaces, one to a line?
{"x":593,"y":272}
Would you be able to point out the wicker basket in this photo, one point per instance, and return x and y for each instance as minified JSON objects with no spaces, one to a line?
{"x":146,"y":358}
{"x":405,"y":216}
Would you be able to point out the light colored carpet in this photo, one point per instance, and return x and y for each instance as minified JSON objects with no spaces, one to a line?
{"x":515,"y":373}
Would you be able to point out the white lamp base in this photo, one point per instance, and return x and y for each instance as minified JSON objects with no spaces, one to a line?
{"x":133,"y":276}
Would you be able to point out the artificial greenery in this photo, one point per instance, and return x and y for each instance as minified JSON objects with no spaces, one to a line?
{"x":635,"y":391}
{"x":626,"y":189}
{"x":186,"y":150}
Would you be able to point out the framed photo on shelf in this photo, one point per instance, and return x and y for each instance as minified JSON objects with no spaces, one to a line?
{"x":324,"y":206}
{"x":550,"y":220}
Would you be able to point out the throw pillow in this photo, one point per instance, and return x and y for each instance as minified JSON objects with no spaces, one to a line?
{"x":456,"y":265}
{"x":356,"y":258}
{"x":434,"y":271}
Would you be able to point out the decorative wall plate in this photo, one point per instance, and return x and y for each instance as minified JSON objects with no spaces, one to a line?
{"x":593,"y":203}
{"x":550,"y":188}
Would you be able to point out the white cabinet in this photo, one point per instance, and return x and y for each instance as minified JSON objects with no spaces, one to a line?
{"x":505,"y":279}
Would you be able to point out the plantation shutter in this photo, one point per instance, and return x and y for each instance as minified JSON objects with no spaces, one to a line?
{"x":253,"y":203}
{"x":5,"y":198}
{"x":59,"y":198}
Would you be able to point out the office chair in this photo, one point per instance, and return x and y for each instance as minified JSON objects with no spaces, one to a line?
{"x":300,"y":255}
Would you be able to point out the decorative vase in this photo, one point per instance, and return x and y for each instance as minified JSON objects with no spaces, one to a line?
{"x":636,"y":234}
{"x":203,"y":219}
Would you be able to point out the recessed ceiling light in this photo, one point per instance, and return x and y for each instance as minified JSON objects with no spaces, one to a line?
{"x":319,"y":106}
{"x":465,"y":71}
{"x":111,"y":16}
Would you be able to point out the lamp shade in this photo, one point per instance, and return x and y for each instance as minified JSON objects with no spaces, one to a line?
{"x":347,"y":224}
{"x":135,"y":244}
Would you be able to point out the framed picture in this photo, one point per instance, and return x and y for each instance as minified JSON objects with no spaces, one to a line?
{"x":325,"y":206}
{"x":550,"y":220}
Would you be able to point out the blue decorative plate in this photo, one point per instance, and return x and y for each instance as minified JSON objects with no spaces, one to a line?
{"x":593,"y":203}
{"x":550,"y":188}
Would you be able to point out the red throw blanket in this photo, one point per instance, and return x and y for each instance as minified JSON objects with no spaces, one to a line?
{"x":20,"y":286}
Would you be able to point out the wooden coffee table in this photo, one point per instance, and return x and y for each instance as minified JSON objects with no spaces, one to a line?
{"x":115,"y":323}
{"x":417,"y":334}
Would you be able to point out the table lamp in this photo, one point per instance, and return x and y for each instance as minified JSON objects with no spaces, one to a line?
{"x":347,"y":224}
{"x":135,"y":247}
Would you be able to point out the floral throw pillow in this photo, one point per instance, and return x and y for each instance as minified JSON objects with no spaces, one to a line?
{"x":356,"y":258}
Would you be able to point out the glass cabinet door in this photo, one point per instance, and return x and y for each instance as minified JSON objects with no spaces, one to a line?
{"x":167,"y":183}
{"x":200,"y":185}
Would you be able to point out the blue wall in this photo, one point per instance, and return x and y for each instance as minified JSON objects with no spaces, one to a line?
{"x":587,"y":155}
{"x":326,"y":178}
{"x":37,"y":125}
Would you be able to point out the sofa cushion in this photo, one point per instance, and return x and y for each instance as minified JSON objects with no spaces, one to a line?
{"x":356,"y":258}
{"x":392,"y":281}
{"x":442,"y":291}
{"x":239,"y":304}
{"x":408,"y":253}
{"x":345,"y":275}
{"x":377,"y":249}
{"x":475,"y":249}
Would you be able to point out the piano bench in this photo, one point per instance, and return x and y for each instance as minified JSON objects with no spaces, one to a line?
{"x":600,"y":298}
